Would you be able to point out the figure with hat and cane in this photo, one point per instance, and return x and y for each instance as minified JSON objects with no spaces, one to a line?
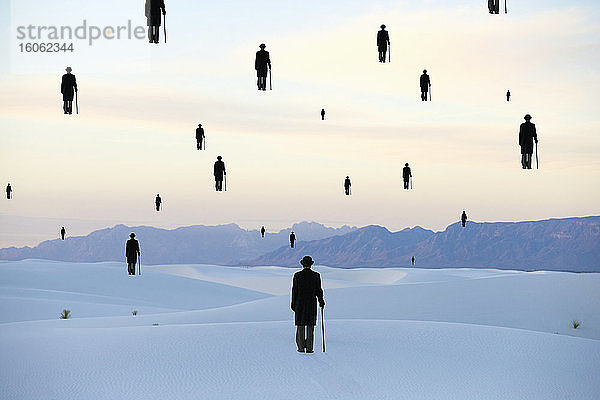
{"x":306,"y":290}
{"x":347,"y":186}
{"x":406,"y":176}
{"x":153,"y":19}
{"x":425,"y":84}
{"x":132,"y":251}
{"x":200,"y":137}
{"x":292,"y":239}
{"x":383,"y":41}
{"x":68,"y":88}
{"x":527,"y":136}
{"x":219,"y":173}
{"x":262,"y":65}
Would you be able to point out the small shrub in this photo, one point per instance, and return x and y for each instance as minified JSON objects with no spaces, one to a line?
{"x":576,"y":324}
{"x":134,"y":312}
{"x":155,"y":324}
{"x":65,"y":314}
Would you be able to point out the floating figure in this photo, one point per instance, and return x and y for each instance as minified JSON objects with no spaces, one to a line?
{"x":68,"y":88}
{"x":219,"y":172}
{"x":383,"y":41}
{"x":8,"y":191}
{"x":306,"y":290}
{"x":527,"y":135}
{"x":347,"y":186}
{"x":132,"y":251}
{"x":200,"y":137}
{"x":412,"y":260}
{"x":425,"y":84}
{"x":158,"y":202}
{"x":62,"y":233}
{"x":262,"y":231}
{"x":262,"y":65}
{"x":322,"y":114}
{"x":508,"y":95}
{"x":406,"y":175}
{"x":292,"y":239}
{"x":153,"y":19}
{"x":463,"y":218}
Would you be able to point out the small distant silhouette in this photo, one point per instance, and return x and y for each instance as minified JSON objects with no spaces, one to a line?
{"x":425,"y":84}
{"x":158,"y":202}
{"x":153,"y":19}
{"x":292,"y":239}
{"x":347,"y":186}
{"x":494,"y":6}
{"x":200,"y":137}
{"x":219,"y":172}
{"x":322,"y":114}
{"x":8,"y":191}
{"x":262,"y":65}
{"x":383,"y":41}
{"x":527,"y":136}
{"x":62,"y":233}
{"x":68,"y":88}
{"x":412,"y":260}
{"x":262,"y":231}
{"x":463,"y":218}
{"x":406,"y":176}
{"x":508,"y":95}
{"x":132,"y":251}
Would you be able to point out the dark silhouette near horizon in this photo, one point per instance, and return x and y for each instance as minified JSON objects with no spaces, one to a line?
{"x":463,"y":218}
{"x":406,"y":176}
{"x":262,"y":231}
{"x":347,"y":186}
{"x":306,"y":290}
{"x":292,"y":239}
{"x":322,"y":114}
{"x":132,"y":251}
{"x":527,"y":136}
{"x":412,"y":260}
{"x":68,"y":88}
{"x":155,"y":9}
{"x":200,"y":137}
{"x":383,"y":41}
{"x":8,"y":191}
{"x":63,"y":233}
{"x":494,"y":6}
{"x":508,"y":95}
{"x":262,"y":65}
{"x":158,"y":202}
{"x":219,"y":172}
{"x":425,"y":83}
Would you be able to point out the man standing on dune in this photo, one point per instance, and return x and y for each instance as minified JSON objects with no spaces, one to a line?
{"x":132,"y":251}
{"x":306,"y":289}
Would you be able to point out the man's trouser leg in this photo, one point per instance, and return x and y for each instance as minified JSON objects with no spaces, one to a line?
{"x":405,"y":184}
{"x":529,"y":160}
{"x":423,"y":95}
{"x":310,"y":338}
{"x":383,"y":55}
{"x":300,"y":340}
{"x":129,"y":268}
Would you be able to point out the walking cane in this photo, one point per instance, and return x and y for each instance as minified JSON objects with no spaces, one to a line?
{"x":505,"y":9}
{"x":76,"y":103}
{"x":389,"y":52}
{"x":225,"y":178}
{"x":430,"y":92}
{"x":270,"y":80}
{"x":165,"y":26}
{"x":323,"y":327}
{"x":140,"y":264}
{"x":411,"y":182}
{"x":537,"y":163}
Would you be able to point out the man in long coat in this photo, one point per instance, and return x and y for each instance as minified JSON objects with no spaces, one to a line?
{"x":425,"y":83}
{"x":63,"y":232}
{"x":306,"y":289}
{"x":262,"y":64}
{"x":199,"y":136}
{"x":219,"y":172}
{"x":158,"y":202}
{"x":347,"y":185}
{"x":383,"y":40}
{"x":153,"y":18}
{"x":406,"y":175}
{"x":68,"y":87}
{"x":132,"y":251}
{"x":463,"y":218}
{"x":527,"y":135}
{"x":8,"y":191}
{"x":292,"y":239}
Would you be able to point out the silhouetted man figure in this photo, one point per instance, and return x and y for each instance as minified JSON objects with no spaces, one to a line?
{"x":322,"y":114}
{"x":292,"y":239}
{"x":508,"y":95}
{"x":262,"y":64}
{"x":68,"y":87}
{"x":425,"y":83}
{"x":412,"y":260}
{"x":527,"y":135}
{"x":62,"y":233}
{"x":154,"y":19}
{"x":406,"y":175}
{"x":463,"y":218}
{"x":306,"y":290}
{"x":494,"y":6}
{"x":158,"y":202}
{"x":132,"y":251}
{"x":383,"y":40}
{"x":8,"y":191}
{"x":347,"y":186}
{"x":219,"y":172}
{"x":199,"y":137}
{"x":262,"y":231}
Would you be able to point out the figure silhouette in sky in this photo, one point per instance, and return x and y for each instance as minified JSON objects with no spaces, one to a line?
{"x":200,"y":137}
{"x":158,"y":202}
{"x":219,"y":172}
{"x":463,"y":218}
{"x":383,"y":40}
{"x":322,"y":114}
{"x":68,"y":88}
{"x":406,"y":175}
{"x":425,"y":84}
{"x":292,"y":239}
{"x":8,"y":191}
{"x":508,"y":95}
{"x":412,"y":260}
{"x":132,"y":251}
{"x":262,"y":65}
{"x":154,"y":9}
{"x":527,"y":136}
{"x":62,"y":233}
{"x":347,"y":186}
{"x":262,"y":231}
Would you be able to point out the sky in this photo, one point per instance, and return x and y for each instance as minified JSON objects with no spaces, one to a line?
{"x":140,"y":105}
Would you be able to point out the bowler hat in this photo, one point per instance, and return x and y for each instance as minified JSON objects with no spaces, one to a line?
{"x":382,"y":26}
{"x":262,"y":45}
{"x":68,"y":69}
{"x":132,"y":235}
{"x":527,"y":116}
{"x":307,"y":261}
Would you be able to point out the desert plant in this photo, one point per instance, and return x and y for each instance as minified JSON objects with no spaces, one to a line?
{"x":575,"y":324}
{"x":134,"y":312}
{"x":155,"y":324}
{"x":65,"y":314}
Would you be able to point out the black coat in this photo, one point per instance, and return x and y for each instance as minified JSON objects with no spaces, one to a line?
{"x":424,"y":81}
{"x":262,"y":63}
{"x":68,"y":87}
{"x":219,"y":170}
{"x":153,"y":12}
{"x":527,"y":135}
{"x":306,"y":289}
{"x":347,"y":183}
{"x":199,"y":133}
{"x":406,"y":174}
{"x":132,"y":250}
{"x":383,"y":38}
